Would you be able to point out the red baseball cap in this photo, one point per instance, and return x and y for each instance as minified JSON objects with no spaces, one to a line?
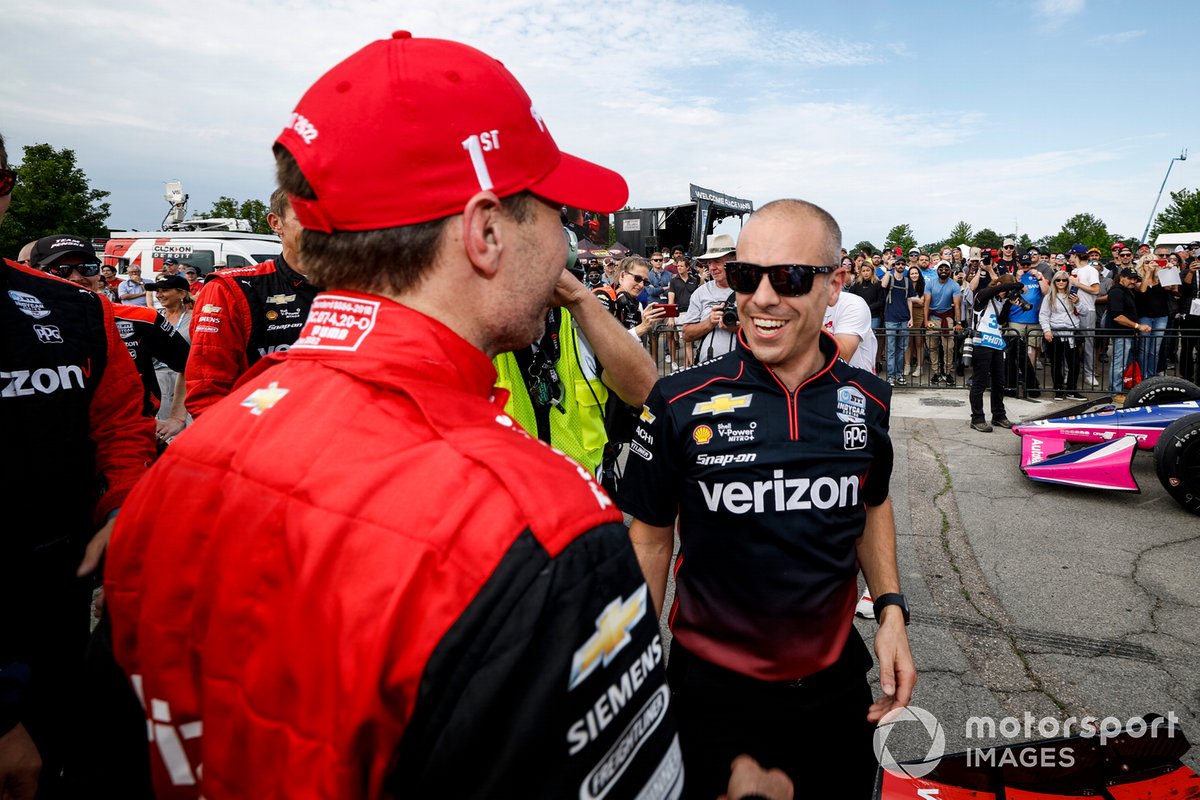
{"x":407,"y":130}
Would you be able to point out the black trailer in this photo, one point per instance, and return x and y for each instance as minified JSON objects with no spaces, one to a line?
{"x":687,"y":225}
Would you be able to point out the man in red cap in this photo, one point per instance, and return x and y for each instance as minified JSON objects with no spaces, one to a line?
{"x":373,"y":582}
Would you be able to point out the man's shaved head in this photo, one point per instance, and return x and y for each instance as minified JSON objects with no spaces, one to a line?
{"x":803,"y":211}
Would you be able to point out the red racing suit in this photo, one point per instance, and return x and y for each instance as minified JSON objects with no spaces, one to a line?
{"x":148,"y":336}
{"x":75,"y":443}
{"x":376,"y":584}
{"x":242,"y":315}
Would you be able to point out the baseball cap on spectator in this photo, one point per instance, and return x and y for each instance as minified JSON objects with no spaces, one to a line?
{"x":1128,"y":272}
{"x":1193,"y":245}
{"x":1078,"y":249}
{"x":1095,"y":250}
{"x":1025,"y":259}
{"x":1009,"y":243}
{"x":899,"y":251}
{"x":1117,"y":246}
{"x":191,"y":270}
{"x":974,"y":254}
{"x":49,"y":249}
{"x":408,"y":129}
{"x":1033,"y":249}
{"x":721,"y":245}
{"x":168,"y":282}
{"x":913,"y":251}
{"x":167,"y":261}
{"x":1180,"y":249}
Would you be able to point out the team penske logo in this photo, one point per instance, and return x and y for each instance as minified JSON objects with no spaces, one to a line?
{"x":702,"y":434}
{"x":611,"y":636}
{"x":781,"y":494}
{"x":722,"y":404}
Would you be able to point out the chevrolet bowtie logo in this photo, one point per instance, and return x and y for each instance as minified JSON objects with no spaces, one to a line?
{"x":722,"y":404}
{"x":280,"y":299}
{"x":261,"y":400}
{"x":611,"y":636}
{"x":646,"y":416}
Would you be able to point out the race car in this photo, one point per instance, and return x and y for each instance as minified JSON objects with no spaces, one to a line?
{"x":1092,"y":445}
{"x":1140,"y":762}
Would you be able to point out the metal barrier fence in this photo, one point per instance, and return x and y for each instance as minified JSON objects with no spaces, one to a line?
{"x":1177,"y":354}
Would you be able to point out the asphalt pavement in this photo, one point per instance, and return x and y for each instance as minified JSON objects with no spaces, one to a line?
{"x":1033,"y":599}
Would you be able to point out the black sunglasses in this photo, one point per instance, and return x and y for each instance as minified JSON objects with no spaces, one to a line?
{"x":8,"y":179}
{"x":788,"y":280}
{"x":88,"y":270}
{"x":636,"y":278}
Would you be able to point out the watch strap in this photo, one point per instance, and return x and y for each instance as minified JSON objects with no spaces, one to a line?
{"x":891,"y":599}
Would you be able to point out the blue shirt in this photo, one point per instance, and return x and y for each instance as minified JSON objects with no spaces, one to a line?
{"x":1033,"y":296}
{"x":942,"y":294}
{"x":895,"y":305}
{"x":656,"y":286}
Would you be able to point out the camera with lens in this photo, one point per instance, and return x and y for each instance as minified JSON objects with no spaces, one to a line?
{"x":729,"y":311}
{"x":986,"y":256}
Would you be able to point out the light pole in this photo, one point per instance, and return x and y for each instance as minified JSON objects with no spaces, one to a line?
{"x":1181,"y":157}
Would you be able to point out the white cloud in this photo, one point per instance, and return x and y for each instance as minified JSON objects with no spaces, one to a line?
{"x":1054,"y":13}
{"x":1116,"y":38}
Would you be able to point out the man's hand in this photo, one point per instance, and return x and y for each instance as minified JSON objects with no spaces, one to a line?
{"x":166,"y":428}
{"x":748,"y":779}
{"x":95,"y":549}
{"x":568,"y":290}
{"x":897,"y":674}
{"x":20,"y":765}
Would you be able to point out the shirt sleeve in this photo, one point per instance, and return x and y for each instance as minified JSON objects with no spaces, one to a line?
{"x":167,"y":345}
{"x":853,"y":318}
{"x":651,"y":486}
{"x":218,"y":351}
{"x":879,"y":475}
{"x":124,"y":438}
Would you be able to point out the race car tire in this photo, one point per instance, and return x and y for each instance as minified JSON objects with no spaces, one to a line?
{"x":1177,"y":461}
{"x":1162,"y":389}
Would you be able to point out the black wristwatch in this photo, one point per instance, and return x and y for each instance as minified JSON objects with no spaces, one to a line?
{"x":890,"y":599}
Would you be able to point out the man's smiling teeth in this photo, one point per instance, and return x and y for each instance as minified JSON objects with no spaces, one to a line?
{"x":768,"y":324}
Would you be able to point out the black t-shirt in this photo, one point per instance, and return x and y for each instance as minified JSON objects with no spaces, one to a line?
{"x":872,"y":292}
{"x":771,"y":489}
{"x":1121,"y":302}
{"x":1153,"y":302}
{"x":683,"y":290}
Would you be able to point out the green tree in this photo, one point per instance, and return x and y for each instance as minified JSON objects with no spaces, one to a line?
{"x":52,"y":195}
{"x":1181,"y":216}
{"x":1086,"y":229}
{"x":988,"y":239}
{"x":1023,"y":242}
{"x":901,"y":236}
{"x":960,"y":234}
{"x":865,"y":245}
{"x":253,"y":210}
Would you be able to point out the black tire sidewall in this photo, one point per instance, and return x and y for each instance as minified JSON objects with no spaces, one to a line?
{"x":1180,"y":441}
{"x":1162,"y":389}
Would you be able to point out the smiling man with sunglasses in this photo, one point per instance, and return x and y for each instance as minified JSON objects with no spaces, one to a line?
{"x":775,"y":458}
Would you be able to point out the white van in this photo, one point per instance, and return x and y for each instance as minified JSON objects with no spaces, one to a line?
{"x":200,"y":249}
{"x":1176,"y":239}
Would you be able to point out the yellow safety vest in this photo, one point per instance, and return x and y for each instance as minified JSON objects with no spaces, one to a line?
{"x":580,"y":431}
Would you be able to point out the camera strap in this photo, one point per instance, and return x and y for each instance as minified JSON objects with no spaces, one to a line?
{"x":538,"y":364}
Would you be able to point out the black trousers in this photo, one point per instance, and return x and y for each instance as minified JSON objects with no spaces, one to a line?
{"x":1189,"y":344}
{"x":1064,"y":360}
{"x":816,"y":731}
{"x":989,"y":373}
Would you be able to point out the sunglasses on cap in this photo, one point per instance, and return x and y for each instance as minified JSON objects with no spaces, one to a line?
{"x":788,"y":280}
{"x":88,"y":270}
{"x":8,"y":179}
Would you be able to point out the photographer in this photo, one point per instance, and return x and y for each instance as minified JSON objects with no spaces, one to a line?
{"x":622,"y":300}
{"x":991,"y":314}
{"x":711,"y":320}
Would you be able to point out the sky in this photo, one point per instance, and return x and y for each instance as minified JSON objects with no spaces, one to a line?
{"x":1012,"y":115}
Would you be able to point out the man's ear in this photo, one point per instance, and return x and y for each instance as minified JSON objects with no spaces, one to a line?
{"x":836,"y":279}
{"x":484,"y":232}
{"x":274,"y":222}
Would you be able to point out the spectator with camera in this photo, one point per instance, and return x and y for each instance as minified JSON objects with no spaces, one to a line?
{"x":621,"y":300}
{"x":991,"y":307}
{"x":712,"y":319}
{"x":1060,"y":322}
{"x":1085,"y":281}
{"x":899,"y":290}
{"x":1123,"y":326}
{"x":1023,"y":319}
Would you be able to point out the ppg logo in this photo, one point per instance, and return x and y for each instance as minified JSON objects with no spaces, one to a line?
{"x":48,"y":334}
{"x":854,"y":436}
